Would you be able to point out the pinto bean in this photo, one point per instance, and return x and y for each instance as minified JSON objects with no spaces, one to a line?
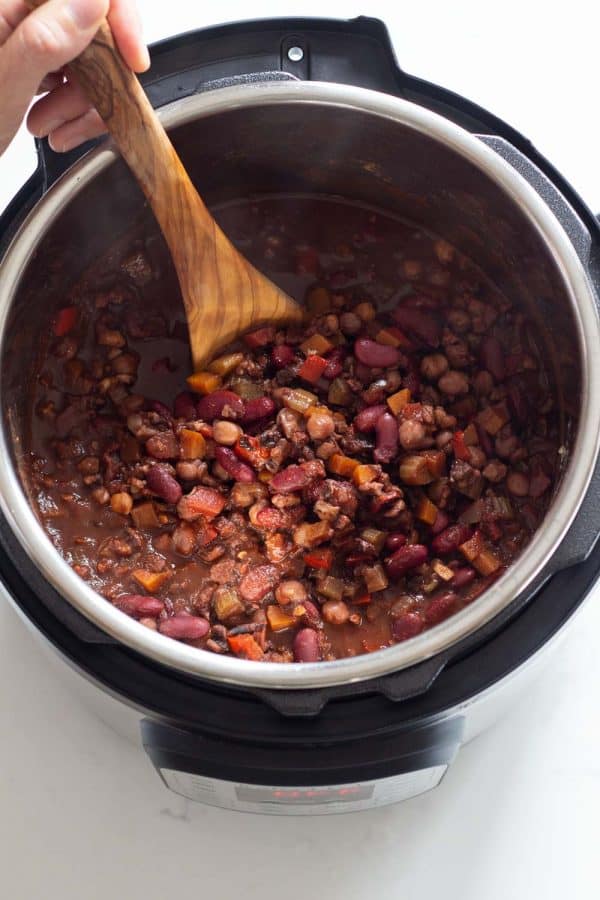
{"x":163,"y":445}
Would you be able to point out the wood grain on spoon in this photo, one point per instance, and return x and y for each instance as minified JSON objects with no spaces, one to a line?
{"x":224,"y":295}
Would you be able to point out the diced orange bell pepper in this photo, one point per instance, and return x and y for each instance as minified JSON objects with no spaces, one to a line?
{"x":363,"y":474}
{"x":316,"y":343}
{"x":312,"y":368}
{"x":224,"y":365}
{"x":393,"y":337}
{"x":193,"y":445}
{"x":442,"y":571}
{"x":244,"y":646}
{"x":150,"y":581}
{"x":204,"y":382}
{"x":427,"y":511}
{"x":471,"y":436}
{"x":341,"y":465}
{"x":65,"y":320}
{"x":278,"y":619}
{"x":319,"y":559}
{"x":473,"y":547}
{"x":399,"y":400}
{"x":486,"y":562}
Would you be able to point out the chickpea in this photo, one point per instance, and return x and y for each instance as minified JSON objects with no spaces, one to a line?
{"x":290,"y":591}
{"x":411,"y":434}
{"x":226,"y":433}
{"x":350,"y":323}
{"x":434,"y":365}
{"x":454,"y":383}
{"x":517,"y":483}
{"x":320,"y":426}
{"x":335,"y":612}
{"x":121,"y":503}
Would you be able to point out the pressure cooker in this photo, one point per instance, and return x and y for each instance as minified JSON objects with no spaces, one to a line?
{"x":316,"y":106}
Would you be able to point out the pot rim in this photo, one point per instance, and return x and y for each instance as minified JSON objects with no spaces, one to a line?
{"x":519,"y":576}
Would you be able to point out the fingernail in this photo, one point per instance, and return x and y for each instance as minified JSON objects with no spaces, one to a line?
{"x":144,"y":58}
{"x":86,"y":13}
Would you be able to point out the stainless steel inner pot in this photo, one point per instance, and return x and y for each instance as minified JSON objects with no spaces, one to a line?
{"x":282,"y":137}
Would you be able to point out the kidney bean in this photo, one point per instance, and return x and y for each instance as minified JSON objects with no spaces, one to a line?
{"x":405,"y":558}
{"x":292,"y":478}
{"x":367,"y":417}
{"x":138,"y":606}
{"x":441,"y":522}
{"x":184,"y":406}
{"x":491,"y":356}
{"x":386,"y":447}
{"x":420,"y":323}
{"x":335,"y":363}
{"x":221,"y":405}
{"x":258,"y":408}
{"x":462,"y":577}
{"x":163,"y":484}
{"x":184,"y":627}
{"x":282,"y":355}
{"x":312,"y":615}
{"x":374,"y":355}
{"x":406,"y":626}
{"x":395,"y":540}
{"x":238,"y":470}
{"x":450,"y":539}
{"x":162,"y":410}
{"x":306,"y":646}
{"x":440,"y":607}
{"x":412,"y":382}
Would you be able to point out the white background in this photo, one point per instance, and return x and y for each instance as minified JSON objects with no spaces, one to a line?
{"x":84,"y":817}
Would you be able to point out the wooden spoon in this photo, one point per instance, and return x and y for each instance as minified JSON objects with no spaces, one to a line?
{"x":224,"y":295}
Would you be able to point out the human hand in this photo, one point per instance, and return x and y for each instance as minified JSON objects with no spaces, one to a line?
{"x":34,"y":48}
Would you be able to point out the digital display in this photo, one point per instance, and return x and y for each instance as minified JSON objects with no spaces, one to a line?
{"x":336,"y":794}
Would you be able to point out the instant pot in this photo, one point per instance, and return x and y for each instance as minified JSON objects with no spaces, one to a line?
{"x":292,"y":106}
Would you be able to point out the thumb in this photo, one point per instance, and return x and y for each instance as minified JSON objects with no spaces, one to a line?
{"x":45,"y":41}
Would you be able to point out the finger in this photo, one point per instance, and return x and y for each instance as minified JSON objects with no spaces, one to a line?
{"x":46,"y":40}
{"x":71,"y":134}
{"x":12,"y":14}
{"x":64,"y":104}
{"x":50,"y":82}
{"x":126,"y":25}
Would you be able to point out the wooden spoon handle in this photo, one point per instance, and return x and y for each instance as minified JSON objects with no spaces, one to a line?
{"x":224,"y":295}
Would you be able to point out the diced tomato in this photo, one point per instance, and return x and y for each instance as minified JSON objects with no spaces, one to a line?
{"x":319,"y":559}
{"x":250,"y":450}
{"x":312,"y":368}
{"x":65,"y":320}
{"x":206,"y":534}
{"x":461,"y":451}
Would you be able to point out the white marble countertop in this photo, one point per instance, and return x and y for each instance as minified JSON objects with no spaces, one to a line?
{"x":84,"y":817}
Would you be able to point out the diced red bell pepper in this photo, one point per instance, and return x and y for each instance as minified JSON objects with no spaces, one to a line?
{"x":312,"y":368}
{"x":319,"y":559}
{"x":461,"y":451}
{"x":250,"y":450}
{"x":65,"y":320}
{"x":362,"y":600}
